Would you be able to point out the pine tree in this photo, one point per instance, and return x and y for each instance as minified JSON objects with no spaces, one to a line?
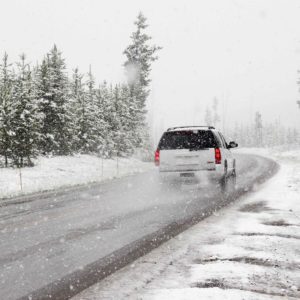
{"x":25,"y":123}
{"x":258,"y":128}
{"x":101,"y":98}
{"x":62,"y":129}
{"x":296,"y":136}
{"x":46,"y":107}
{"x":140,"y":55}
{"x":106,"y":112}
{"x":78,"y":109}
{"x":93,"y":120}
{"x":88,"y":107}
{"x":6,"y":110}
{"x":116,"y":125}
{"x":52,"y":90}
{"x":128,"y":120}
{"x":122,"y":121}
{"x":116,"y":121}
{"x":290,"y":138}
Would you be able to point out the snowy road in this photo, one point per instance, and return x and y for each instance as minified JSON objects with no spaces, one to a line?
{"x":61,"y":244}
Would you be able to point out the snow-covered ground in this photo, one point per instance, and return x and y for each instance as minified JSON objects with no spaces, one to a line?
{"x":62,"y":171}
{"x":249,"y":250}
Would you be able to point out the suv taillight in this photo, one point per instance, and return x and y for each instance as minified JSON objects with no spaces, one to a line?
{"x":156,"y":158}
{"x":218,"y":156}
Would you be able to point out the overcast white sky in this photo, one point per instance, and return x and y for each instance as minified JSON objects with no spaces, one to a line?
{"x":245,"y":53}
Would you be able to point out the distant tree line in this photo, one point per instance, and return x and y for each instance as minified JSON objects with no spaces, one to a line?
{"x":255,"y":134}
{"x":259,"y":134}
{"x":45,"y":111}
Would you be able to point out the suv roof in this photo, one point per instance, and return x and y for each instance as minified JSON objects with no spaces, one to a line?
{"x":190,"y":128}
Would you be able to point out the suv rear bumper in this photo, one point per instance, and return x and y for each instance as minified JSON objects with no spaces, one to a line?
{"x":213,"y":174}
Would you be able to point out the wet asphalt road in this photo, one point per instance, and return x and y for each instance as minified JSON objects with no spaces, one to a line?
{"x":60,"y":244}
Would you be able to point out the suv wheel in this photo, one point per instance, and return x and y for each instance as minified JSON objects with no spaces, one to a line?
{"x":224,"y":181}
{"x":228,"y":186}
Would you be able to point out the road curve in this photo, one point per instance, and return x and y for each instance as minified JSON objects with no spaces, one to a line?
{"x":56,"y":245}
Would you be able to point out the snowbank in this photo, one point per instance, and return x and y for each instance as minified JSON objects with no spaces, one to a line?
{"x":61,"y":171}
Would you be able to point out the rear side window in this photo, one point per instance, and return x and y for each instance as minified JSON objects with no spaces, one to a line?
{"x":189,"y":139}
{"x":223,"y":140}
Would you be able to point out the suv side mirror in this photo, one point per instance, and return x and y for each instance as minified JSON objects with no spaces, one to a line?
{"x":232,"y":145}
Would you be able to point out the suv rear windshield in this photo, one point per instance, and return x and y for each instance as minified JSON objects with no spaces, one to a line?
{"x":190,"y":139}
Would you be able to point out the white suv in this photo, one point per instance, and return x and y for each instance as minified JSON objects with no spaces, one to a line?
{"x":188,"y":150}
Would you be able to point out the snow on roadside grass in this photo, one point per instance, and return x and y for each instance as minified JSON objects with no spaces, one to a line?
{"x":61,"y":171}
{"x":249,"y":250}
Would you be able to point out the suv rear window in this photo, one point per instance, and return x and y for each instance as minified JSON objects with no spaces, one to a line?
{"x":191,"y":139}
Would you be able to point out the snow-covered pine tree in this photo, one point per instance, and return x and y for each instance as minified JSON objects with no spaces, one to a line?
{"x":116,"y":122}
{"x":25,"y":123}
{"x":93,"y":120}
{"x":62,"y":128}
{"x":128,"y":119}
{"x":102,"y":99}
{"x":281,"y":133}
{"x":258,"y":130}
{"x":106,"y":111}
{"x":52,"y":90}
{"x":83,"y":98}
{"x":139,"y":57}
{"x":78,"y":109}
{"x":6,"y":111}
{"x":42,"y":88}
{"x":296,"y":136}
{"x":122,"y":121}
{"x":290,"y":138}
